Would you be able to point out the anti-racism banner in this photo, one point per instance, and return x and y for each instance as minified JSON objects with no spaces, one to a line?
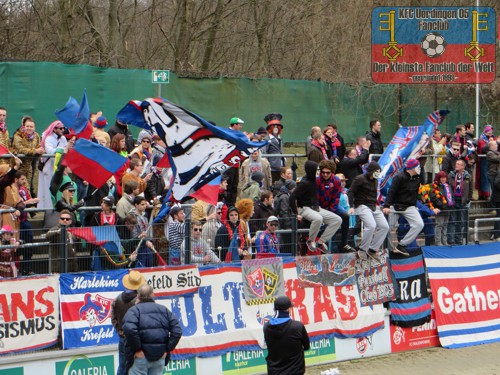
{"x":217,"y":319}
{"x":326,"y":270}
{"x":374,"y":281}
{"x":29,"y":310}
{"x":171,"y":281}
{"x":86,"y":300}
{"x":464,"y":282}
{"x":412,"y":306}
{"x":262,"y":280}
{"x":438,"y":45}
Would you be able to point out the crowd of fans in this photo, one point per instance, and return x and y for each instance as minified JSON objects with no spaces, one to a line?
{"x":260,"y":203}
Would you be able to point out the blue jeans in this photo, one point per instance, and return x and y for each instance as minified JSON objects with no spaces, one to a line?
{"x":457,"y":224}
{"x":142,"y":366}
{"x":121,"y":356}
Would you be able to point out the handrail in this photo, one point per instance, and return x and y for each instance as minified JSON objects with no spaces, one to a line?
{"x":476,"y":226}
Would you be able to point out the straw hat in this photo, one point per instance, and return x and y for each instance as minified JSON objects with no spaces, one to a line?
{"x":133,"y":280}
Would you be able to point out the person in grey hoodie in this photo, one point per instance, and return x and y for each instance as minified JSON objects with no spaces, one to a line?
{"x":286,"y":341}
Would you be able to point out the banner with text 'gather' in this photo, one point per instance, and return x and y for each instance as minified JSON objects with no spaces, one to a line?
{"x":464,"y":282}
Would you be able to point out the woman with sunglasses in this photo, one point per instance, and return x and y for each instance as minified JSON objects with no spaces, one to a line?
{"x":200,"y":250}
{"x":143,"y":151}
{"x":52,"y":139}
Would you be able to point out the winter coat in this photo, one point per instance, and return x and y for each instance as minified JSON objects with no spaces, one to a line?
{"x":363,"y":191}
{"x":403,"y":191}
{"x":152,"y":328}
{"x":467,"y":187}
{"x":351,"y":168}
{"x":304,"y":194}
{"x":376,"y":147}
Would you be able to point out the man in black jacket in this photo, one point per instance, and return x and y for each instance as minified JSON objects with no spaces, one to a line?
{"x":352,"y":164}
{"x":304,"y":203}
{"x":363,"y":201}
{"x":286,"y":341}
{"x":125,"y":300}
{"x":152,"y":332}
{"x":373,"y":135}
{"x":403,"y":195}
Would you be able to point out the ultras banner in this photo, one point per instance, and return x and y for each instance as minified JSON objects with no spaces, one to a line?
{"x":217,"y":320}
{"x":29,"y":310}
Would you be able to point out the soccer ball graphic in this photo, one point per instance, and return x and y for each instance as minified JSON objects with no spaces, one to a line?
{"x":433,"y":45}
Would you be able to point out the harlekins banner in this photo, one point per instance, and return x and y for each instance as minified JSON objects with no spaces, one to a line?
{"x":374,"y":281}
{"x":86,"y":307}
{"x":464,"y":282}
{"x":262,"y":280}
{"x":412,"y":307}
{"x":29,"y":313}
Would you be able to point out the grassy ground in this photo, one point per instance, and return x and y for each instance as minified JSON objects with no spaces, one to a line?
{"x":299,"y":150}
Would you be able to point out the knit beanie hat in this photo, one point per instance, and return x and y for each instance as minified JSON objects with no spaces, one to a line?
{"x":101,"y":122}
{"x":372,"y":167}
{"x":411,"y":163}
{"x":290,"y":184}
{"x":257,"y":176}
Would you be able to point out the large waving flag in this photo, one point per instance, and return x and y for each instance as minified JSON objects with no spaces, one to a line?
{"x":197,"y":150}
{"x":92,"y":162}
{"x":76,"y":117}
{"x":105,"y":236}
{"x":408,"y":142}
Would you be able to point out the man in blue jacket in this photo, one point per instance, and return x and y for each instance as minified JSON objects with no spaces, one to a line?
{"x":152,"y":332}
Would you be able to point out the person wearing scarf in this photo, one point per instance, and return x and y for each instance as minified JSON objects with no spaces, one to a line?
{"x":332,"y":144}
{"x":230,"y":230}
{"x":286,"y":340}
{"x":482,"y":181}
{"x":144,"y":151}
{"x":441,"y":197}
{"x":4,"y":134}
{"x":317,"y":151}
{"x":436,"y":146}
{"x":26,"y":141}
{"x":461,"y":188}
{"x":52,"y":139}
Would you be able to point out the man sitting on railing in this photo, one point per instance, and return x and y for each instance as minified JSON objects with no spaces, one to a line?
{"x":403,"y":195}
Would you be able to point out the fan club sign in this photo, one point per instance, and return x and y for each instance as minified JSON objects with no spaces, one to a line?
{"x":433,"y":45}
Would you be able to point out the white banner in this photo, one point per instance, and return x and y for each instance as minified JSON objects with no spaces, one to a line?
{"x":29,"y":313}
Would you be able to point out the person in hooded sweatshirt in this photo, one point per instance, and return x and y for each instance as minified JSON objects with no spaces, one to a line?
{"x":304,"y":203}
{"x":286,"y":341}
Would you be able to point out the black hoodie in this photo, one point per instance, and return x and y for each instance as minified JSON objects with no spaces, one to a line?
{"x":304,"y":194}
{"x":286,"y":341}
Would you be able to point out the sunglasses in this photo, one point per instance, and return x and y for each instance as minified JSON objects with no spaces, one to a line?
{"x":219,"y":212}
{"x":456,"y":149}
{"x":196,"y":229}
{"x":326,"y":172}
{"x":71,"y":190}
{"x":273,"y":224}
{"x":65,"y":218}
{"x":146,"y":141}
{"x":58,"y":128}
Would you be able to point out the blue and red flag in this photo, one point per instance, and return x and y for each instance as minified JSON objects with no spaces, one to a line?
{"x":92,"y":162}
{"x":105,"y":236}
{"x":209,"y":192}
{"x":198,"y":151}
{"x":408,"y":142}
{"x":75,"y":117}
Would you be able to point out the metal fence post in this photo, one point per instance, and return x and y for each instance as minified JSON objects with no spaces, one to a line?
{"x":187,"y":241}
{"x":64,"y":247}
{"x":293,"y":237}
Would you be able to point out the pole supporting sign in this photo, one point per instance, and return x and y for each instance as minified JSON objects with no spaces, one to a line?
{"x":433,"y":45}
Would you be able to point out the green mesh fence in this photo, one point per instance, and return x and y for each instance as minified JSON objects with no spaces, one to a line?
{"x":37,"y":89}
